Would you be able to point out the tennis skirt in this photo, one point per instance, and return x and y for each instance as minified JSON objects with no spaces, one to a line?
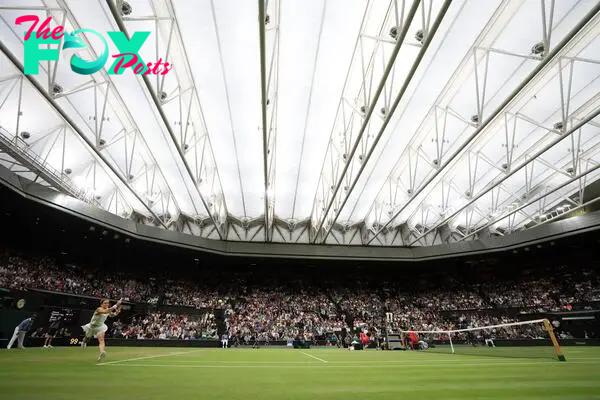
{"x":94,"y":330}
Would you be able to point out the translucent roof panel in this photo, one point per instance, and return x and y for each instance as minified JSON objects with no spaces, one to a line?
{"x":377,"y":122}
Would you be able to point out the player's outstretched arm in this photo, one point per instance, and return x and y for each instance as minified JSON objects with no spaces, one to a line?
{"x":116,"y":312}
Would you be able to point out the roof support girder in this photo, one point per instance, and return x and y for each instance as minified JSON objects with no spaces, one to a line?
{"x":540,"y":198}
{"x":214,"y":214}
{"x":269,"y":58}
{"x":41,"y":168}
{"x":428,"y":39}
{"x":493,"y":115}
{"x":102,"y":88}
{"x":372,"y":103}
{"x":91,"y":146}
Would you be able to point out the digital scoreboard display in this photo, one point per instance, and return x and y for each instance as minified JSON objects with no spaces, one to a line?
{"x":67,"y":316}
{"x":69,"y":323}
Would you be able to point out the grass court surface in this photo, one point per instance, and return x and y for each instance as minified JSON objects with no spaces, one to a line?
{"x":263,"y":374}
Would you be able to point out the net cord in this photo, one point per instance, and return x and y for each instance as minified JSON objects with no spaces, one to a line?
{"x":479,"y":328}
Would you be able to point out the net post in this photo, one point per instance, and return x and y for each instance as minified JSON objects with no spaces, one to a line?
{"x":557,"y":350}
{"x":450,"y":339}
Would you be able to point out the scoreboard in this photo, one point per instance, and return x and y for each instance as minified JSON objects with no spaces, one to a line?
{"x":67,"y":316}
{"x":69,"y":319}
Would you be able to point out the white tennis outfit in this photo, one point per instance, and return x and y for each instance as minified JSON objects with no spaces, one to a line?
{"x":96,"y":326}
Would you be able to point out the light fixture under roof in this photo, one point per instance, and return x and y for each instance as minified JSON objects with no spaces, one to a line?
{"x":126,"y":8}
{"x":56,"y":89}
{"x":559,"y":126}
{"x":419,"y":36}
{"x":538,"y":48}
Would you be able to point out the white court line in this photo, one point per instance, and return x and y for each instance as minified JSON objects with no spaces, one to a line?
{"x":399,"y":365}
{"x":149,"y":357}
{"x":315,"y":357}
{"x":355,"y":362}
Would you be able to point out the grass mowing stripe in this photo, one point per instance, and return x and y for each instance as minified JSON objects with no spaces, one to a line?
{"x":149,"y":357}
{"x":315,"y":357}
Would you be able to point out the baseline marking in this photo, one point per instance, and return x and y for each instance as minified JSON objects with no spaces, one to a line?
{"x":149,"y":357}
{"x":399,"y":365}
{"x":354,"y":362}
{"x":315,"y":357}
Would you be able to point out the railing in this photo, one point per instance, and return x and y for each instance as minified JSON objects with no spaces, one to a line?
{"x":18,"y":148}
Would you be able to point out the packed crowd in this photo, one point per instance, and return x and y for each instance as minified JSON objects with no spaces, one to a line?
{"x":35,"y":272}
{"x":45,"y":273}
{"x":283,"y":305}
{"x":267,"y":315}
{"x":181,"y":293}
{"x":160,"y":325}
{"x":549,"y":289}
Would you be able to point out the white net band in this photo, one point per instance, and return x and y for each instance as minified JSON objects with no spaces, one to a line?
{"x":479,"y":328}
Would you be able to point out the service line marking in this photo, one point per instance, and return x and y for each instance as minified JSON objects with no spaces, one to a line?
{"x":149,"y":357}
{"x":315,"y":357}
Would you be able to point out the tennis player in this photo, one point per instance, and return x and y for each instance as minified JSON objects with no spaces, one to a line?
{"x":97,"y":326}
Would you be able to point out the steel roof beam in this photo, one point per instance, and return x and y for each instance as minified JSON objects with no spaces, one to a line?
{"x":536,"y":157}
{"x":121,"y":104}
{"x":263,"y":90}
{"x":515,"y":196}
{"x":413,"y":155}
{"x":371,"y":108}
{"x":541,"y":198}
{"x":407,"y":81}
{"x":268,"y":84}
{"x":221,"y":228}
{"x":584,"y":156}
{"x":41,"y":168}
{"x":578,"y":207}
{"x":93,"y":84}
{"x":543,"y":63}
{"x":530,"y":202}
{"x":75,"y":128}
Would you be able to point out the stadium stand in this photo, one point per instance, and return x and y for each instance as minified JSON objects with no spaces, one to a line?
{"x":286,"y":305}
